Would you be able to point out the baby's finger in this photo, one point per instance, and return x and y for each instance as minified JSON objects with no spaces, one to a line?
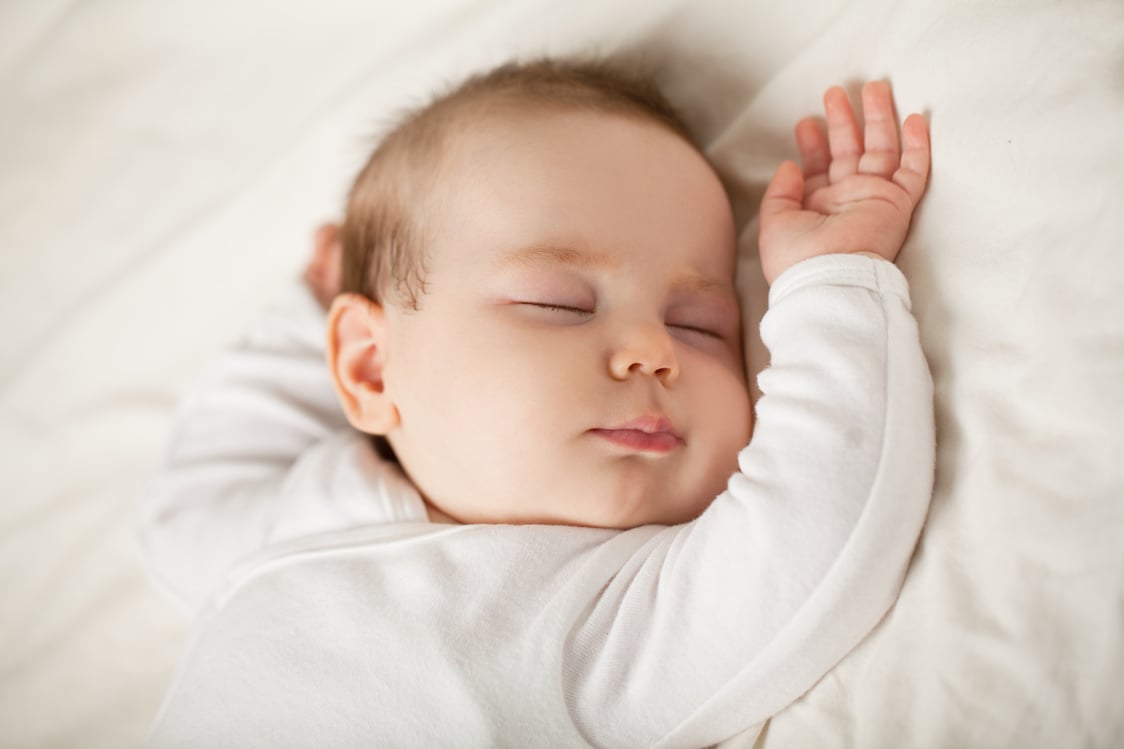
{"x":881,"y":154}
{"x":813,"y":153}
{"x":785,"y":191}
{"x":914,"y":171}
{"x":843,"y":134}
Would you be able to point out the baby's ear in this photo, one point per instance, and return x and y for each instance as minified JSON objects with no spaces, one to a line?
{"x":357,"y":350}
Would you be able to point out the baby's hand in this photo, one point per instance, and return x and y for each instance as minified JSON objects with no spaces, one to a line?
{"x":322,"y":274}
{"x":857,"y":197}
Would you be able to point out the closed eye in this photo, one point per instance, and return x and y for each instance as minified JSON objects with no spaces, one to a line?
{"x":699,"y":331}
{"x":548,"y":313}
{"x":559,"y":308}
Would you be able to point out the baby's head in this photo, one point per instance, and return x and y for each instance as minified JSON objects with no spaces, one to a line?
{"x":539,"y":311}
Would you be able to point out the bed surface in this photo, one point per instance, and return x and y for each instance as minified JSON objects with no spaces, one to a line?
{"x":162,"y":167}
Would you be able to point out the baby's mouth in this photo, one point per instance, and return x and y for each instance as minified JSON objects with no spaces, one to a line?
{"x":653,"y":434}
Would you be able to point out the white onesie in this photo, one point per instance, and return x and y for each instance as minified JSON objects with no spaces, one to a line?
{"x":331,"y":613}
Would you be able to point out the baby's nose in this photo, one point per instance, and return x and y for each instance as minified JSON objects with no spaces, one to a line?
{"x":645,"y":349}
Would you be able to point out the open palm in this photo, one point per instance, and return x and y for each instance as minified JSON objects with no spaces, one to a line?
{"x":857,"y":191}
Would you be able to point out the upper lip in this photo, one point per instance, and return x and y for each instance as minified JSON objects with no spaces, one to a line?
{"x":649,"y":424}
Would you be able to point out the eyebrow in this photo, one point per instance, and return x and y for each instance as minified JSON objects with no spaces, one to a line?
{"x":550,"y":254}
{"x":692,"y":283}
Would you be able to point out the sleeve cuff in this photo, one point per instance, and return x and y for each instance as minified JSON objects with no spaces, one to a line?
{"x":880,"y":276}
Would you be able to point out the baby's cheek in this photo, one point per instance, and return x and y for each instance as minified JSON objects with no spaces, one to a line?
{"x":727,"y":400}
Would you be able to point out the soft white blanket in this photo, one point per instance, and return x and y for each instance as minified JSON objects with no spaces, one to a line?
{"x":163,"y":164}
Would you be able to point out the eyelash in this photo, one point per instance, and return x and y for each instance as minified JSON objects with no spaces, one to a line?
{"x":700,"y":331}
{"x":585,"y":312}
{"x":560,"y":308}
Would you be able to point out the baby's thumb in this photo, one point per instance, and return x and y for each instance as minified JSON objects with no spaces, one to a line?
{"x":785,"y":191}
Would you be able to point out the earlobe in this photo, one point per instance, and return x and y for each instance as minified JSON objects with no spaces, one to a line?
{"x":357,"y":358}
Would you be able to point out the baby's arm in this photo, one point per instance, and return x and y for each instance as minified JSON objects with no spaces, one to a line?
{"x":730,"y":618}
{"x":261,"y":452}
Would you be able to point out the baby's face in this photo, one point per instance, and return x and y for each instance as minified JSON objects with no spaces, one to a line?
{"x":576,"y":358}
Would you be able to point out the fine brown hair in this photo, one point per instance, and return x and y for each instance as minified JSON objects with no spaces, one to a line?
{"x":383,"y":235}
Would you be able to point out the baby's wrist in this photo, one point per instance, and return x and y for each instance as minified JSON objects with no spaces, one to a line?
{"x":872,"y":255}
{"x":770,"y":278}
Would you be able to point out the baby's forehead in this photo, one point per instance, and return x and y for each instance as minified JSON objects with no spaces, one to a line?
{"x":556,"y":138}
{"x":571,"y":188}
{"x":486,"y":135}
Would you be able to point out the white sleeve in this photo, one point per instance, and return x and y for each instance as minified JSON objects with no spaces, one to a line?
{"x":719,"y":623}
{"x":261,"y":452}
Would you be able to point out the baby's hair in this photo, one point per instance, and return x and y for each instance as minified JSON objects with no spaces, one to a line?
{"x":383,"y":235}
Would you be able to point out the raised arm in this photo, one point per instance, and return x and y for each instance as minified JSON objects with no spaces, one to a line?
{"x":734,"y":616}
{"x":260,"y":451}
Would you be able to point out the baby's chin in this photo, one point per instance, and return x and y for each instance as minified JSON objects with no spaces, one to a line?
{"x":652,"y":509}
{"x":617,"y":500}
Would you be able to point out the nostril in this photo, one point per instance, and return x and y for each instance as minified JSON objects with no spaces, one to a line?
{"x":648,"y":355}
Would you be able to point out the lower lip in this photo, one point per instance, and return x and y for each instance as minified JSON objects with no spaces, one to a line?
{"x":634,"y":439}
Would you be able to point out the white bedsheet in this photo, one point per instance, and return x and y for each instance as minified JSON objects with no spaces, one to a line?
{"x":162,"y":166}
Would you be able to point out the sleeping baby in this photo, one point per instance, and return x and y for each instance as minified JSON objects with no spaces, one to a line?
{"x":521,"y":506}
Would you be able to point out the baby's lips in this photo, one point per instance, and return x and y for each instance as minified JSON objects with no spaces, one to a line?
{"x":647,"y":433}
{"x":640,"y":441}
{"x":649,"y":424}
